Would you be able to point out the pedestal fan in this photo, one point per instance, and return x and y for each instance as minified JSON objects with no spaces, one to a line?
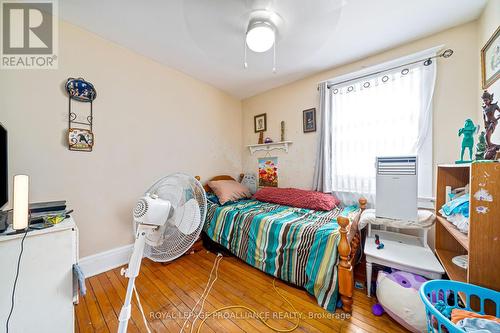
{"x":167,"y":221}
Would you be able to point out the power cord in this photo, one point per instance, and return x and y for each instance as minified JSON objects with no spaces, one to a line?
{"x":15,"y":281}
{"x":142,"y":310}
{"x":257,"y":315}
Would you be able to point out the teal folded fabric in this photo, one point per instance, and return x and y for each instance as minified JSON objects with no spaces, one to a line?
{"x":459,"y":205}
{"x":444,"y":309}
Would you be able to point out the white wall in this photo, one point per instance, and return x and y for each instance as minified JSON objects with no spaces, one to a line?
{"x":455,"y":99}
{"x":149,"y":121}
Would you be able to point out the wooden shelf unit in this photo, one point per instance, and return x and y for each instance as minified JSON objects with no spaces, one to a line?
{"x":459,"y":236}
{"x":482,"y":243}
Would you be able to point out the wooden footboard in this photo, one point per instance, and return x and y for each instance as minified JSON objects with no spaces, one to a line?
{"x":347,"y":253}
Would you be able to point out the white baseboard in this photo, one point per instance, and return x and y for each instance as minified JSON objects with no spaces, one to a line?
{"x":104,"y":261}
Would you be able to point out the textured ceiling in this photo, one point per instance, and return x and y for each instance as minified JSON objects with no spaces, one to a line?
{"x":205,"y":39}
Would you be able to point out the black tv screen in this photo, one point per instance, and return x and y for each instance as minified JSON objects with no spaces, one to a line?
{"x":4,"y":190}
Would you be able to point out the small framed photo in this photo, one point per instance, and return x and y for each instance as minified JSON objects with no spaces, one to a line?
{"x":490,"y":60}
{"x":260,"y":123}
{"x":80,"y":139}
{"x":309,"y":120}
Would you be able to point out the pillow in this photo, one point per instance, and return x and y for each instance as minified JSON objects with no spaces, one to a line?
{"x":213,"y":198}
{"x":229,"y":190}
{"x":297,"y":198}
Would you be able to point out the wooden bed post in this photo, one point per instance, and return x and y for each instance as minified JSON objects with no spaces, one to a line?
{"x":347,"y":254}
{"x":346,"y":276}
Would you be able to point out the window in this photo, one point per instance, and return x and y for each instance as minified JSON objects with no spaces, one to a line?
{"x":385,"y":114}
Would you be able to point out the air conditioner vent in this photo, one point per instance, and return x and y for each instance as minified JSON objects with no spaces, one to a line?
{"x":392,"y":166}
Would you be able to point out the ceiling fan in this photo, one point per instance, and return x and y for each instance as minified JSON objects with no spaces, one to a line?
{"x":262,"y":25}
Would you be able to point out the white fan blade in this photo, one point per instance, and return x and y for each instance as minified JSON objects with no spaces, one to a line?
{"x":188,"y":218}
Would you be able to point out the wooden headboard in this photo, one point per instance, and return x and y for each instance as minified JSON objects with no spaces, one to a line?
{"x":219,"y":177}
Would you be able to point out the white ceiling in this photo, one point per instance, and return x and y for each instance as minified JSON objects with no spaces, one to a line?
{"x":205,"y":38}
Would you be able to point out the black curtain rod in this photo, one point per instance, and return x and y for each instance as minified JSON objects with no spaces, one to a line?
{"x":427,"y":61}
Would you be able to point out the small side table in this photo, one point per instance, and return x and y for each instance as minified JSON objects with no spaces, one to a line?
{"x":401,"y":252}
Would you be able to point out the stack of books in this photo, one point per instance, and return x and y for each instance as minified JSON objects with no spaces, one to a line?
{"x":40,"y":210}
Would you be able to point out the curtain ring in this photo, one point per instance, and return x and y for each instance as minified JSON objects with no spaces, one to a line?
{"x":405,"y":71}
{"x":385,"y":78}
{"x":350,"y":88}
{"x":428,"y":62}
{"x":447,"y":53}
{"x":366,"y":84}
{"x":335,"y":90}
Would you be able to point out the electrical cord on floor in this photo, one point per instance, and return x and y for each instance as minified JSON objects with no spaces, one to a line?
{"x":142,"y":310}
{"x":15,"y":281}
{"x":203,"y":297}
{"x":255,"y":312}
{"x":257,"y":315}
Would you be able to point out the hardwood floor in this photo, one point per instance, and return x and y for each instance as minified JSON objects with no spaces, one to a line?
{"x":169,"y":291}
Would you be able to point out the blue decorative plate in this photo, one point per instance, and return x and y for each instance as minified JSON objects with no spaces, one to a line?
{"x":80,"y":90}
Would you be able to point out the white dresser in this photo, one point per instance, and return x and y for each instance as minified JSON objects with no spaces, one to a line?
{"x":45,"y":287}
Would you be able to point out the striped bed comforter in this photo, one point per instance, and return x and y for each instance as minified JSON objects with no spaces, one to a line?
{"x":293,"y":244}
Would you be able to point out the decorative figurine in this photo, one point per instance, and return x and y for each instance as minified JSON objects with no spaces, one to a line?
{"x":468,"y":141}
{"x":282,"y":131}
{"x":268,"y":140}
{"x":481,"y":147}
{"x":490,"y":123}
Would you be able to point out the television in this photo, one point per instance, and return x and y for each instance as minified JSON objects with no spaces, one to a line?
{"x":4,"y":181}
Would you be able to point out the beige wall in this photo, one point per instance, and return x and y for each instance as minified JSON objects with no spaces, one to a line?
{"x":455,"y":99}
{"x":487,"y":24}
{"x":149,"y":121}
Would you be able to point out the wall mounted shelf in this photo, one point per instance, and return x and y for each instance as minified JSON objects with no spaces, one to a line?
{"x":270,"y":146}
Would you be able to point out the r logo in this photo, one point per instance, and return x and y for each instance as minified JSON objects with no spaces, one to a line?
{"x":27,"y":28}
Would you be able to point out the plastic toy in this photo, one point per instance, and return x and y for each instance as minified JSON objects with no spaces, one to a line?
{"x":377,"y":309}
{"x":468,"y":132}
{"x":379,"y":244}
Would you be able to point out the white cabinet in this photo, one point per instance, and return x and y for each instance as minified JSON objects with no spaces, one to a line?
{"x":44,"y":293}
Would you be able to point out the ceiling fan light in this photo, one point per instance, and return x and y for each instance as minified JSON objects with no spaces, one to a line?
{"x":260,"y":36}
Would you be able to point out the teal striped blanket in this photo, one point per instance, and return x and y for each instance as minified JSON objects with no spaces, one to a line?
{"x":295,"y":245}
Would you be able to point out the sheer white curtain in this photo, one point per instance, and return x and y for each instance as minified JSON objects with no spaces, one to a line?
{"x":384,"y":115}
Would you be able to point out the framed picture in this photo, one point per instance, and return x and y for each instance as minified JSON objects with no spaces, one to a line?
{"x":490,"y":60}
{"x":260,"y":123}
{"x":309,"y":120}
{"x":80,"y":139}
{"x":268,"y":172}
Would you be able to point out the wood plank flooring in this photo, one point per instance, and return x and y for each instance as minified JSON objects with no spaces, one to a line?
{"x":169,"y":291}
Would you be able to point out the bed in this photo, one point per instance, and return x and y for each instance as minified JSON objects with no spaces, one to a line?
{"x":311,"y":249}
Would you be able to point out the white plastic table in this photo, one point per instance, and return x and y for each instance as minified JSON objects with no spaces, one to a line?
{"x":403,"y":252}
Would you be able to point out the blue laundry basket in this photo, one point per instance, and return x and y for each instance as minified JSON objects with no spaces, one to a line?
{"x":433,"y":291}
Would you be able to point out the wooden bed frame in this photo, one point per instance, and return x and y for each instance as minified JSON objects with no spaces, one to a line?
{"x":347,"y":249}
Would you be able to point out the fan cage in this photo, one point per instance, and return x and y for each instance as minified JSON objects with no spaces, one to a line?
{"x":178,"y":189}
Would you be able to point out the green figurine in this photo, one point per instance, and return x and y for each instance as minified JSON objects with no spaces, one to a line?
{"x":481,"y":146}
{"x":468,"y":141}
